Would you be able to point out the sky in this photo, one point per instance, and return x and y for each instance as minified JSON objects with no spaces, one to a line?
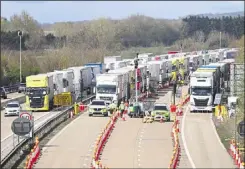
{"x":59,"y":11}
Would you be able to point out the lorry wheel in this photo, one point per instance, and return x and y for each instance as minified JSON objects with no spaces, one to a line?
{"x":130,"y":116}
{"x":5,"y":97}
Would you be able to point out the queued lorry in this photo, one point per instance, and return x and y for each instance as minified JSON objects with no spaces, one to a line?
{"x":109,"y":87}
{"x":100,"y":65}
{"x":39,"y":92}
{"x":82,"y":80}
{"x":158,"y":71}
{"x":204,"y":85}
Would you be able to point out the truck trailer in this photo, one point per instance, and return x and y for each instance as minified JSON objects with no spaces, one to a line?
{"x":109,"y":87}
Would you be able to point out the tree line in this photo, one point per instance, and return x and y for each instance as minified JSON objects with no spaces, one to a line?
{"x":64,"y":44}
{"x":134,"y":31}
{"x":232,"y":25}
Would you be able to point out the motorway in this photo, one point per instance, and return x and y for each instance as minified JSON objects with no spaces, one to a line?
{"x":134,"y":144}
{"x":202,"y":143}
{"x":12,"y":96}
{"x":73,"y":146}
{"x":8,"y":139}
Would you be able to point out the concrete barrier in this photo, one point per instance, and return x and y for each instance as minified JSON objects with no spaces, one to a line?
{"x":21,"y":100}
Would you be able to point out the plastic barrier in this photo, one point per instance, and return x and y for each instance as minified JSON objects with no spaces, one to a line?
{"x":176,"y":152}
{"x":33,"y":156}
{"x":175,"y":130}
{"x":235,"y":154}
{"x":102,"y":139}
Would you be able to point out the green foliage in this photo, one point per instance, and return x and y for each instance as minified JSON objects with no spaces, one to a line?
{"x":75,"y":43}
{"x":232,"y":25}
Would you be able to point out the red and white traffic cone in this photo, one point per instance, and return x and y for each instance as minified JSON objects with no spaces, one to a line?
{"x":161,"y":120}
{"x":123,"y":117}
{"x":71,"y":114}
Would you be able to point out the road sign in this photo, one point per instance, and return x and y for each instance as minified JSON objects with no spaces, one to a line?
{"x":21,"y":126}
{"x":241,"y":128}
{"x":26,"y":115}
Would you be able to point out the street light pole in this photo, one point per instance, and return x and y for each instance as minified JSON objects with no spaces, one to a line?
{"x":220,"y":40}
{"x":20,"y":35}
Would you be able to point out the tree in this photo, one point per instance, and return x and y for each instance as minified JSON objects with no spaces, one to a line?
{"x":27,"y":24}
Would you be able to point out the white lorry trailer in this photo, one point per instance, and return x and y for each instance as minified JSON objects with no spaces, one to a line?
{"x":110,"y":59}
{"x":109,"y":87}
{"x":126,"y":72}
{"x":67,"y":80}
{"x":57,"y":81}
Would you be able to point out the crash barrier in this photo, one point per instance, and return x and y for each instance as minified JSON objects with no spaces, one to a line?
{"x":176,"y":151}
{"x":235,"y":154}
{"x":20,"y":99}
{"x":101,"y":141}
{"x":33,"y":156}
{"x":223,"y":112}
{"x":16,"y":152}
{"x":77,"y":109}
{"x":11,"y":88}
{"x":175,"y":130}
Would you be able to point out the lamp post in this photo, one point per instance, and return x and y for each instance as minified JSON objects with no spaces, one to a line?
{"x":20,"y":33}
{"x":220,"y":40}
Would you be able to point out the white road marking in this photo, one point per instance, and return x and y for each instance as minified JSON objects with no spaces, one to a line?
{"x":216,"y":134}
{"x":184,"y":141}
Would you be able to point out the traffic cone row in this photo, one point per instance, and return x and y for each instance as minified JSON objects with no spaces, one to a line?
{"x":176,"y":152}
{"x":235,"y":154}
{"x":101,"y":141}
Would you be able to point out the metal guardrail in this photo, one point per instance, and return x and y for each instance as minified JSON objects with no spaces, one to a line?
{"x":23,"y":147}
{"x":11,"y":89}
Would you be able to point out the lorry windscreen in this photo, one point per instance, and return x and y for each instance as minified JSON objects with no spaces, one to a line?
{"x":201,"y":91}
{"x":181,"y":66}
{"x":160,"y":108}
{"x":101,"y":103}
{"x":174,"y":68}
{"x":36,"y":91}
{"x":191,"y":64}
{"x":107,"y":89}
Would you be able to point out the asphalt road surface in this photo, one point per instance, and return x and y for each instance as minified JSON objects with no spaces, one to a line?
{"x":73,"y":146}
{"x":11,"y":96}
{"x":203,"y":144}
{"x":134,"y":144}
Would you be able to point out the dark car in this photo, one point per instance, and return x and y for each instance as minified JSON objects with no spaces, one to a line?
{"x":22,"y":87}
{"x":3,"y":93}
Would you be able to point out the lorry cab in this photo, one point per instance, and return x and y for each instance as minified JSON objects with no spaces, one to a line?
{"x":202,"y":90}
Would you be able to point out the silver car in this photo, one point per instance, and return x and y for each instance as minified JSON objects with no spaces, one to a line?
{"x":12,"y":108}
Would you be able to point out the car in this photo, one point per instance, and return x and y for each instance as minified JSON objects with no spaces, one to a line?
{"x":161,"y":110}
{"x":3,"y":93}
{"x":98,"y":107}
{"x":12,"y":108}
{"x":22,"y":87}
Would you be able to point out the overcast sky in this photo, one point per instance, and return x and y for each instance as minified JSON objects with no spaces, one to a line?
{"x":51,"y":11}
